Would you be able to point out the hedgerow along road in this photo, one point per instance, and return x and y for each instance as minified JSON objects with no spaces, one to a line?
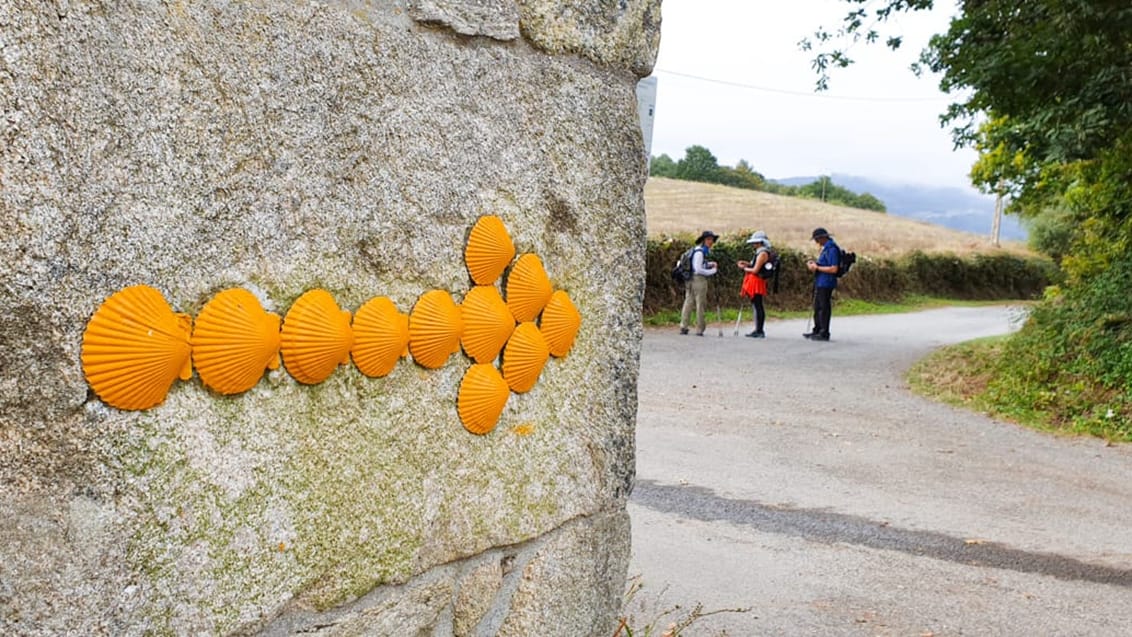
{"x":805,"y":482}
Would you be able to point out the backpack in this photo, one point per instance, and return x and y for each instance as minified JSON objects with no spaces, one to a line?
{"x":845,"y":261}
{"x":682,"y":272}
{"x":770,"y":268}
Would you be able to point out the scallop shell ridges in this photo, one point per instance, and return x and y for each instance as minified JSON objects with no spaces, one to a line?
{"x":487,"y":323}
{"x":560,"y":323}
{"x":435,"y":326}
{"x":483,"y":394}
{"x":135,"y":347}
{"x":524,"y":357}
{"x":316,"y":337}
{"x":528,"y":288}
{"x":489,"y":250}
{"x":381,"y":337}
{"x":234,"y":340}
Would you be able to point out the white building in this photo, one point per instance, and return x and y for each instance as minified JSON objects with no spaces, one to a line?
{"x":646,"y":107}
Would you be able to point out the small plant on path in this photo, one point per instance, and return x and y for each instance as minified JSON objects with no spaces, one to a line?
{"x":674,"y":620}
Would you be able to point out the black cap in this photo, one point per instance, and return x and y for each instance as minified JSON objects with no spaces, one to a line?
{"x":819,"y":233}
{"x":705,"y":235}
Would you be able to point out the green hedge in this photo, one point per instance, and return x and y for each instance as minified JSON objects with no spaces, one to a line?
{"x":980,"y":277}
{"x":1071,"y":364}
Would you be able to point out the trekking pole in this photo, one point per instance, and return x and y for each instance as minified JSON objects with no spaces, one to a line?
{"x":719,"y":311}
{"x":737,"y":319}
{"x":813,"y":300}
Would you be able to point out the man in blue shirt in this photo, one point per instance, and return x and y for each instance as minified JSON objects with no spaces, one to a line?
{"x":825,"y":281}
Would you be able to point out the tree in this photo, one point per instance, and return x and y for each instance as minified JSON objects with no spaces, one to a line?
{"x":699,"y":164}
{"x":743,"y":176}
{"x":867,"y":201}
{"x":1047,"y":103}
{"x":824,"y":189}
{"x":1046,"y":90}
{"x":662,"y":166}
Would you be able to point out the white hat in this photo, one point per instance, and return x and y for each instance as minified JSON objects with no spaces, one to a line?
{"x":759,"y":237}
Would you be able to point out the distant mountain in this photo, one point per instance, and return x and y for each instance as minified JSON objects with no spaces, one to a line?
{"x":954,"y":208}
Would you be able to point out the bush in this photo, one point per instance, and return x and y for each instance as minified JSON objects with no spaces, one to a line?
{"x":1071,"y":363}
{"x":982,"y":277}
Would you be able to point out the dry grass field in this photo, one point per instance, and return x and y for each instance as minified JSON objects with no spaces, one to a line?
{"x":685,"y":207}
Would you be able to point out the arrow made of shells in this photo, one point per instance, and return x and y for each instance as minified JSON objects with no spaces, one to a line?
{"x":135,"y":346}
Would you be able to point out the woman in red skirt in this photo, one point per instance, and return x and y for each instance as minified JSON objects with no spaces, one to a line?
{"x":754,"y":283}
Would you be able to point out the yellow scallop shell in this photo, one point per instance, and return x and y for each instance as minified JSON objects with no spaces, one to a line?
{"x":234,"y":340}
{"x":483,"y":393}
{"x":528,"y":288}
{"x":560,"y":323}
{"x":316,"y":337}
{"x":487,"y":323}
{"x":489,"y":250}
{"x":381,"y":337}
{"x":435,"y":326}
{"x":135,"y":347}
{"x":524,"y":357}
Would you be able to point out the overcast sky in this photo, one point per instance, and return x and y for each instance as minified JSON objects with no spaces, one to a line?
{"x":889,"y":131}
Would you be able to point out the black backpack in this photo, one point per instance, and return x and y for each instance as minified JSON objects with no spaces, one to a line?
{"x":845,"y":261}
{"x":770,"y":269}
{"x":682,"y":272}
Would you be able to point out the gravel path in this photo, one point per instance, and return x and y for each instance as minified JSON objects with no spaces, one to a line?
{"x":803,"y":480}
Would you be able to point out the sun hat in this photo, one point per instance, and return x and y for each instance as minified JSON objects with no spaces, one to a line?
{"x":705,"y":235}
{"x":819,"y":233}
{"x":759,"y":237}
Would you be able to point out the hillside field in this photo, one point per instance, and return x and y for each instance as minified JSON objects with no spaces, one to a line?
{"x":686,"y":208}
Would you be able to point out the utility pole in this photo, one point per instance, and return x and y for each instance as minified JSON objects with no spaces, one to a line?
{"x":996,"y":227}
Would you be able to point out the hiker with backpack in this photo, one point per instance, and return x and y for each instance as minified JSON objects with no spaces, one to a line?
{"x":696,"y":269}
{"x":826,"y":270}
{"x":763,"y":267}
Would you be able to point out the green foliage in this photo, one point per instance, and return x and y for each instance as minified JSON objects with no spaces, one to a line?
{"x":1050,"y":82}
{"x":1068,"y":369}
{"x":699,"y":164}
{"x":867,"y":201}
{"x":743,"y":176}
{"x":1072,"y":361}
{"x":1052,"y":230}
{"x":1056,"y":69}
{"x":993,"y":277}
{"x":824,"y":189}
{"x":662,"y":166}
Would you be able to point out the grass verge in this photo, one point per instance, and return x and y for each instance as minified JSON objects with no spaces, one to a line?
{"x":973,"y":375}
{"x":847,"y":307}
{"x":958,"y":374}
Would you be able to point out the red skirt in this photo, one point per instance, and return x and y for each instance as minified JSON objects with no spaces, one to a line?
{"x":753,"y":285}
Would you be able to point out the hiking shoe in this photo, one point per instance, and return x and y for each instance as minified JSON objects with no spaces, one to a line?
{"x":757,"y":334}
{"x":683,"y":331}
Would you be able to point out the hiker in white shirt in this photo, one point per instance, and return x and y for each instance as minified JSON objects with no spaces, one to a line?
{"x":696,"y":289}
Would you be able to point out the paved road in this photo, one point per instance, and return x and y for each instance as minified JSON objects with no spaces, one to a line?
{"x":804,"y":481}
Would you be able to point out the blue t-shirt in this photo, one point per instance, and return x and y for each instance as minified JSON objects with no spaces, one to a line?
{"x":830,"y":255}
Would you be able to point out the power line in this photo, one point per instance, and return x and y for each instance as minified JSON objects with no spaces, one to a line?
{"x":780,"y":91}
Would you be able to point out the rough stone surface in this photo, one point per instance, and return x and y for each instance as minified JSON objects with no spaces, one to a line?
{"x":575,"y":579}
{"x":498,"y":19}
{"x":478,"y":589}
{"x":618,"y":33}
{"x":414,"y":608}
{"x":283,"y":146}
